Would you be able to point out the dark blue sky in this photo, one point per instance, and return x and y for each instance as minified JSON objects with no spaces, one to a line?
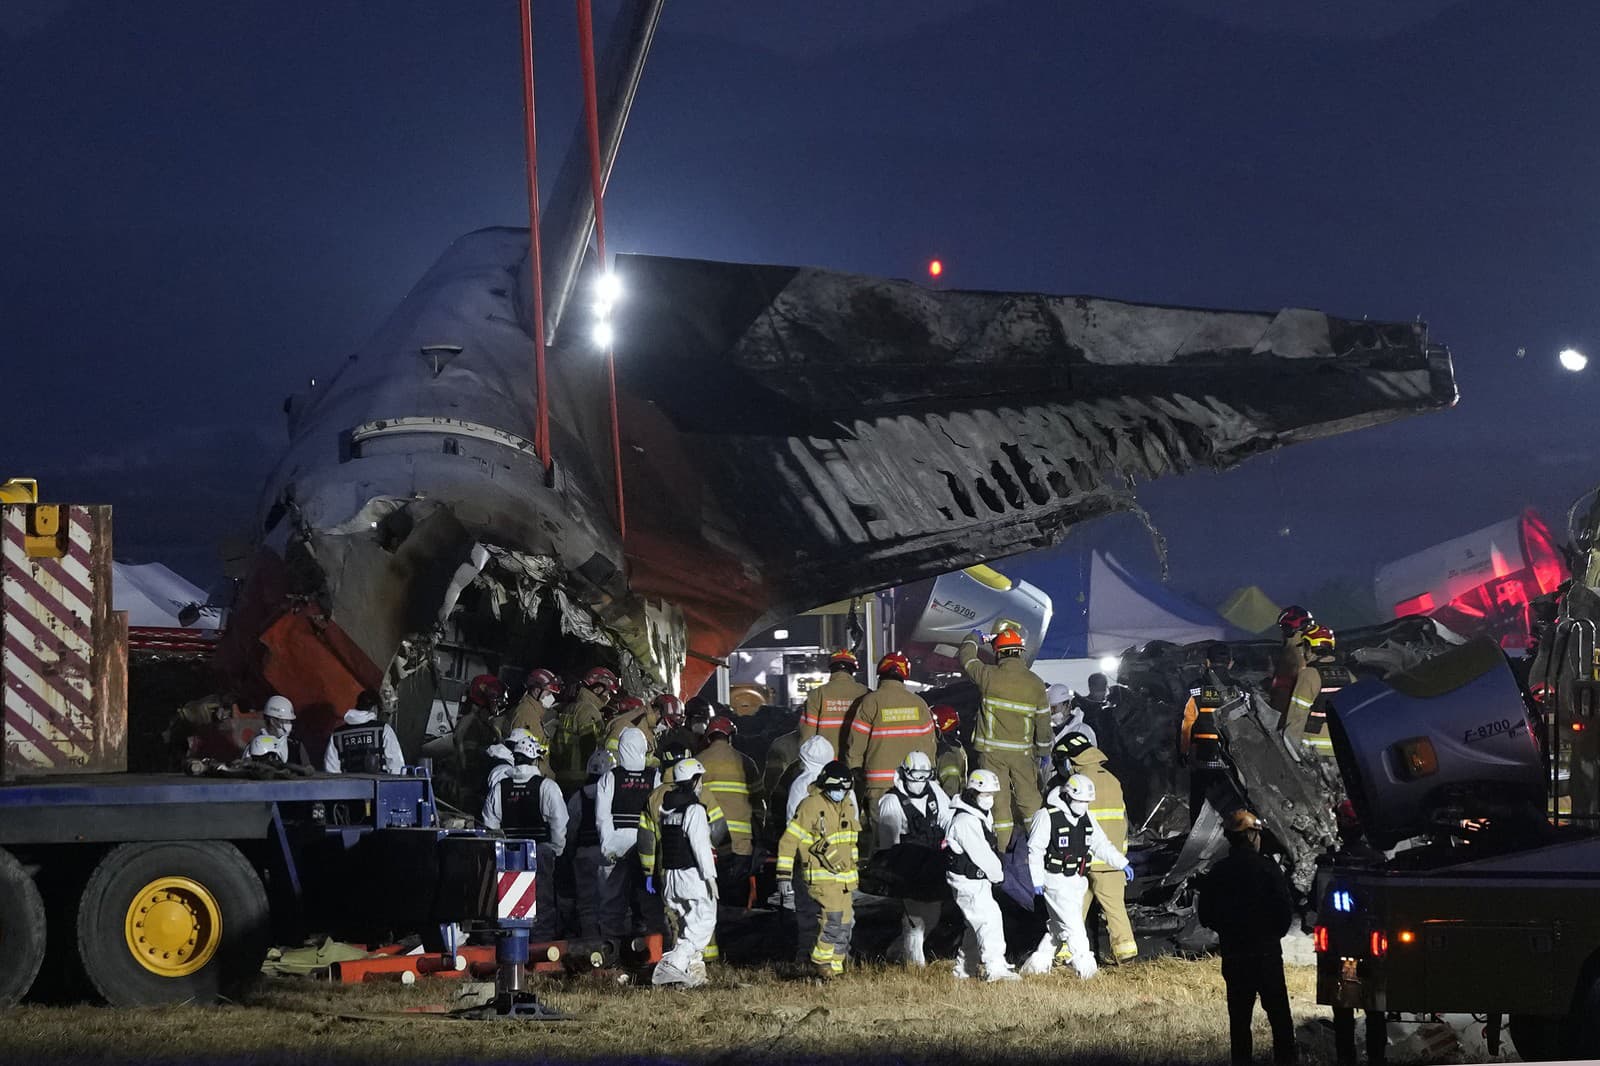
{"x":205,"y":204}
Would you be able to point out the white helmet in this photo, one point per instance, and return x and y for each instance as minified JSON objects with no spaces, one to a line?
{"x":262,"y":746}
{"x":499,"y":753}
{"x":983,"y":782}
{"x":278,"y":707}
{"x":1080,"y":788}
{"x":528,"y":747}
{"x":602,"y":762}
{"x":687,"y":770}
{"x":916,"y":766}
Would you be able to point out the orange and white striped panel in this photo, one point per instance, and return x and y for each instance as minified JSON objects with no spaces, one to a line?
{"x":47,"y":607}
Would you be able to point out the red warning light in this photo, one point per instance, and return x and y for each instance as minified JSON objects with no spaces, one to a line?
{"x":935,"y":267}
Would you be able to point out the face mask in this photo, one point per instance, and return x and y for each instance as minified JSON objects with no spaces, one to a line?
{"x":1058,"y":718}
{"x":986,"y":801}
{"x":548,"y":700}
{"x":835,"y":794}
{"x":699,"y":728}
{"x":1078,"y":807}
{"x":277,"y":729}
{"x":915,"y":787}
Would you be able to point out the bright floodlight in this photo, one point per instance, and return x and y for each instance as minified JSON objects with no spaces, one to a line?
{"x":1573,"y":360}
{"x":780,"y":634}
{"x":1109,"y":664}
{"x":608,"y":288}
{"x":604,"y":335}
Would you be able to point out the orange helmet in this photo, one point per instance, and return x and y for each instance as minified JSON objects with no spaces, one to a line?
{"x":843,"y":659}
{"x":1008,"y":642}
{"x":945,"y":718}
{"x":1320,"y":639}
{"x":895,"y":664}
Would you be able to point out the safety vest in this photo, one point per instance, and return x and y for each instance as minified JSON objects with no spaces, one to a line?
{"x":588,"y":827}
{"x":921,"y":828}
{"x":959,"y":862}
{"x":630,"y":793}
{"x":360,"y":748}
{"x":1205,"y":743}
{"x":1318,"y":737}
{"x":521,"y":812}
{"x":676,"y":851}
{"x":1068,"y":852}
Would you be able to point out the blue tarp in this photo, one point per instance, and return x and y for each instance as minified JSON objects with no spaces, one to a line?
{"x":1102,"y":608}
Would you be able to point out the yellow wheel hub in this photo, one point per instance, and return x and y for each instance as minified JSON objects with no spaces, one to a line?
{"x":174,"y":926}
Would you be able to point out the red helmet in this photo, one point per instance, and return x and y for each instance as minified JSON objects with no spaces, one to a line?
{"x":603,"y":678}
{"x":670,"y":708}
{"x":723,"y":725}
{"x":945,"y":718}
{"x":486,"y":690}
{"x":1295,"y":619}
{"x":1008,"y":641}
{"x":843,"y":659}
{"x":542,"y":680}
{"x":622,"y":705}
{"x":895,"y":664}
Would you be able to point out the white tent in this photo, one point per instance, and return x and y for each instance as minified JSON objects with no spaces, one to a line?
{"x":154,"y":596}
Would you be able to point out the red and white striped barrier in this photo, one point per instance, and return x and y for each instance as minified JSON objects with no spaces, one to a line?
{"x":518,"y":897}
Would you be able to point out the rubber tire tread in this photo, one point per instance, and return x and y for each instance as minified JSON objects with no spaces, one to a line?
{"x":102,"y":913}
{"x":1536,"y":1038}
{"x":22,"y":930}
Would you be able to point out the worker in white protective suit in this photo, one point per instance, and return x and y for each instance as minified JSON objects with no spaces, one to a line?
{"x":1065,"y":714}
{"x":688,"y":883}
{"x":619,"y":800}
{"x":793,"y":894}
{"x":972,"y":865}
{"x":585,"y":841}
{"x":279,"y":728}
{"x":1063,"y":839}
{"x":911,"y":819}
{"x":526,"y":805}
{"x":363,"y":744}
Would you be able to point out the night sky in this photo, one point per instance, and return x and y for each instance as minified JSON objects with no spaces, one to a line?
{"x":206,"y":204}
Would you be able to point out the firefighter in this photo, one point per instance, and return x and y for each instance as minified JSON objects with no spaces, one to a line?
{"x":478,"y":723}
{"x":630,"y":712}
{"x":951,"y":756}
{"x":886,"y":726}
{"x":688,"y":885}
{"x":972,"y":869}
{"x":828,"y":705}
{"x":364,"y":744}
{"x":820,"y":844}
{"x":909,"y":835}
{"x":279,"y":728}
{"x":672,"y":727}
{"x":1198,"y":740}
{"x":1013,"y":731}
{"x":580,"y":727}
{"x":732,"y":780}
{"x":1294,"y":622}
{"x":1331,"y":677}
{"x":1064,"y":838}
{"x":697,"y":714}
{"x":584,"y":839}
{"x":524,"y":804}
{"x":815,"y":754}
{"x":620,"y":799}
{"x":1107,"y":884}
{"x":541,"y":689}
{"x":1305,"y":699}
{"x":1246,"y":900}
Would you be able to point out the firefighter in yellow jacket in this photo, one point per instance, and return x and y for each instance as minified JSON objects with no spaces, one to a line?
{"x":1013,"y":730}
{"x":822,"y":837}
{"x":1107,"y":885}
{"x":888,"y":724}
{"x":1305,"y":701}
{"x":828,"y":705}
{"x":732,"y":783}
{"x":580,"y":728}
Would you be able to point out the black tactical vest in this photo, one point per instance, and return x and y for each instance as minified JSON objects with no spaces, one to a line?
{"x":588,"y":828}
{"x":923,"y":829}
{"x":631,"y":790}
{"x":360,"y":748}
{"x":521,"y":813}
{"x":1068,"y":852}
{"x":960,"y":863}
{"x":676,"y":852}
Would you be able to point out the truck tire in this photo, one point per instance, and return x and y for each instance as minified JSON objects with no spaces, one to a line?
{"x":1583,"y":1034}
{"x":1537,"y":1038}
{"x":22,"y":930}
{"x":175,"y":922}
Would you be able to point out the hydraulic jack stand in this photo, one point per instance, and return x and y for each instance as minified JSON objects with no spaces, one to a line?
{"x":513,"y":1002}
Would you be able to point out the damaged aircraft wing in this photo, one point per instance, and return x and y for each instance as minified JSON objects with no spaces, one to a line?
{"x":790,"y":436}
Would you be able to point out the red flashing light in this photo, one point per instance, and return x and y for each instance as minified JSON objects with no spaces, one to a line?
{"x":1379,"y":944}
{"x":1577,"y":727}
{"x":1319,"y":939}
{"x":935,"y":267}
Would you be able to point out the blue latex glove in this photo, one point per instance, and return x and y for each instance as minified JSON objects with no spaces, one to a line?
{"x":1127,"y":871}
{"x":1038,"y":890}
{"x":650,"y":884}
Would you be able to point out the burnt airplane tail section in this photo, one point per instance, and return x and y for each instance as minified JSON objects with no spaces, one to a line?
{"x":790,"y":437}
{"x":847,"y":433}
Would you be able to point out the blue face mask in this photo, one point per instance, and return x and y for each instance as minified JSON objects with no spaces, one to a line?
{"x":835,"y":794}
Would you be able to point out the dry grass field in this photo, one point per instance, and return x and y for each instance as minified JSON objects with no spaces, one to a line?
{"x":1163,"y":1011}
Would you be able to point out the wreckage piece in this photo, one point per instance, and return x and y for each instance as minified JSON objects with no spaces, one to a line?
{"x":790,"y":437}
